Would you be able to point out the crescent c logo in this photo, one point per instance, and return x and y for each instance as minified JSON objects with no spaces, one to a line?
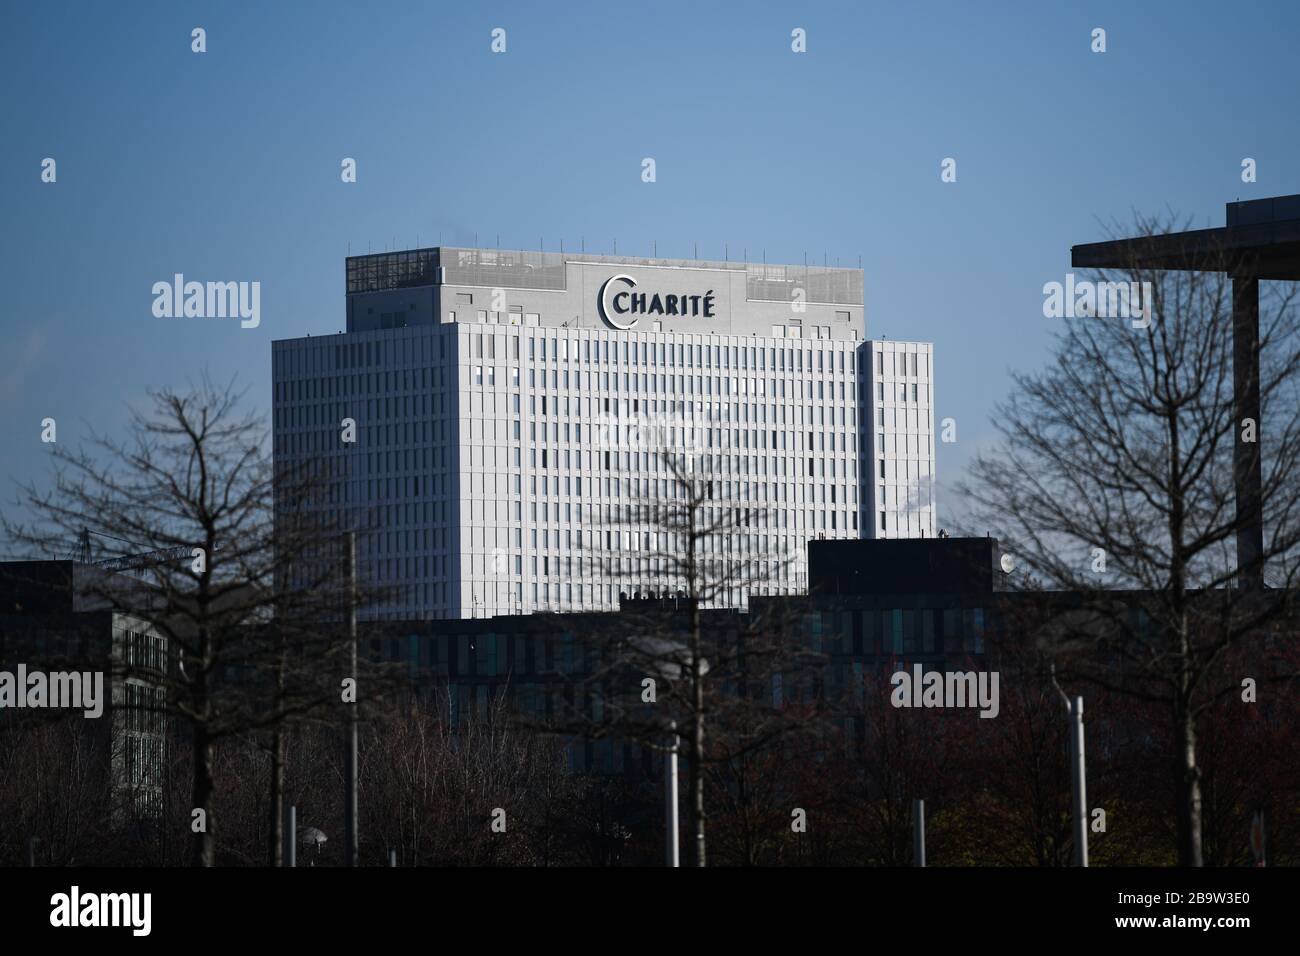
{"x":606,"y":312}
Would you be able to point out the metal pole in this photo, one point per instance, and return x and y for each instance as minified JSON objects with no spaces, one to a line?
{"x":1078,"y":776}
{"x":350,"y":768}
{"x":1077,"y":772}
{"x":918,"y":833}
{"x":291,"y":835}
{"x":392,"y":858}
{"x":31,"y":851}
{"x":670,"y":797}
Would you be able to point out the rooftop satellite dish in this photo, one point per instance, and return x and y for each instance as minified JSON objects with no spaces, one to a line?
{"x":1008,"y":564}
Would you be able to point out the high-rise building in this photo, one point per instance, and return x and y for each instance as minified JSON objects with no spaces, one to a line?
{"x":489,"y":416}
{"x":897,"y":403}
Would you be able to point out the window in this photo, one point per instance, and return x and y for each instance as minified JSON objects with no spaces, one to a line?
{"x":973,"y":621}
{"x":951,"y":630}
{"x":868,"y":645}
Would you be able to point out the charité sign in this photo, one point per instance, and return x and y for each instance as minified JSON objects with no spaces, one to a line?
{"x":621,"y":305}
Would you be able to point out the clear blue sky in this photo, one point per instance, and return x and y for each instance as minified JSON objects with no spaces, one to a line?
{"x":225,"y":165}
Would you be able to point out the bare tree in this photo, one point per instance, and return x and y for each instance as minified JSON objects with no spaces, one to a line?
{"x":235,"y":569}
{"x":54,"y":788}
{"x":1115,"y":470}
{"x":679,"y":663}
{"x":433,"y":788}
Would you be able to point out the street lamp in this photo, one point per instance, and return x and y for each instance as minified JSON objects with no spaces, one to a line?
{"x":663,"y":653}
{"x":1074,"y":739}
{"x":313,"y":838}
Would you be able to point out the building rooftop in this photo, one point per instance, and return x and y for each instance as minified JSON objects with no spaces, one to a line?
{"x":519,"y":269}
{"x":904,"y":566}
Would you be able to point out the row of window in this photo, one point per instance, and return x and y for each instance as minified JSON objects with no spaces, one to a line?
{"x":893,"y":362}
{"x":920,"y":392}
{"x":297,"y":359}
{"x":874,"y":632}
{"x":143,"y":651}
{"x":633,"y":351}
{"x":144,"y":708}
{"x":795,"y":331}
{"x":663,"y":384}
{"x":308,"y":358}
{"x":887,"y":631}
{"x":412,"y":381}
{"x":143,"y":764}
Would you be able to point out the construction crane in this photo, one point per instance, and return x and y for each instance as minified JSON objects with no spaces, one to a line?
{"x":127,"y":562}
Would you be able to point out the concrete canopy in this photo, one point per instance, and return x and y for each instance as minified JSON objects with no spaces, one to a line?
{"x":1261,"y":241}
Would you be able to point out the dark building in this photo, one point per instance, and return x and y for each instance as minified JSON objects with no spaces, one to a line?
{"x":904,"y":566}
{"x":49,"y":625}
{"x":873,"y":605}
{"x":536,"y":663}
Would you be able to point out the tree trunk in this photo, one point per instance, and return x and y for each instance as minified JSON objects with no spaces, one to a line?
{"x":204,"y":846}
{"x":697,"y":779}
{"x":1189,"y":787}
{"x":696,"y":795}
{"x":275,"y":837}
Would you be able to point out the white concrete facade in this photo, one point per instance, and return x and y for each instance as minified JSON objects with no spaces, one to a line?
{"x":503,"y":428}
{"x":898,"y":433}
